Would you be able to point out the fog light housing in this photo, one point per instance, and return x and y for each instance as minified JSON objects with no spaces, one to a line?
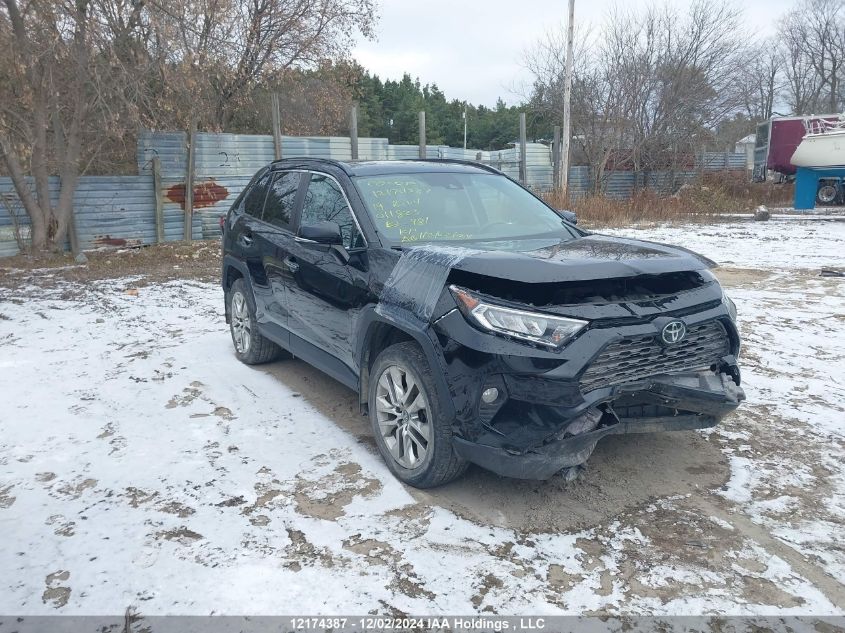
{"x":489,"y":396}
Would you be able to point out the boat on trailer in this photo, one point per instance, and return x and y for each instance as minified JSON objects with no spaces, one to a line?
{"x":823,"y":146}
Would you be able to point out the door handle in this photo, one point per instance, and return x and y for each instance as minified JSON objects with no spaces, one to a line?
{"x":290,"y":262}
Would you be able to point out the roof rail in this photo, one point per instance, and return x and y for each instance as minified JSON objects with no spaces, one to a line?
{"x":344,"y":165}
{"x":457,"y":161}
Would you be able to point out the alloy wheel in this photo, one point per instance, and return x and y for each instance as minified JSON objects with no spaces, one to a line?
{"x":402,"y":414}
{"x":241,"y":333}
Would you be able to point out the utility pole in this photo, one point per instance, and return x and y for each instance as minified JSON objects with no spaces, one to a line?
{"x":567,"y":98}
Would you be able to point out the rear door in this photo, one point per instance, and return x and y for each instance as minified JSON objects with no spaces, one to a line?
{"x":247,"y":225}
{"x":275,"y":239}
{"x":325,"y":292}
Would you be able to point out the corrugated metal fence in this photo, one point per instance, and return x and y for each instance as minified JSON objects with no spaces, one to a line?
{"x":622,"y":184}
{"x":224,"y":163}
{"x":120,"y":210}
{"x":108,"y":211}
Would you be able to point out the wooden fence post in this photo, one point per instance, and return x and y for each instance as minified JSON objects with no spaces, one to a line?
{"x":189,"y":183}
{"x":159,"y":200}
{"x":523,"y":163}
{"x":276,"y":113}
{"x":353,"y":131}
{"x":422,"y":135}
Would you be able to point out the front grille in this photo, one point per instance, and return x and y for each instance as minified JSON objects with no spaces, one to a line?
{"x":639,"y":357}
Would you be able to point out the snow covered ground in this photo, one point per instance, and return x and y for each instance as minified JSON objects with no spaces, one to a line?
{"x":787,"y":242}
{"x":142,"y":466}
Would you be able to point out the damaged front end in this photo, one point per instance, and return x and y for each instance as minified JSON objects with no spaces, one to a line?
{"x":656,"y":353}
{"x":535,"y":441}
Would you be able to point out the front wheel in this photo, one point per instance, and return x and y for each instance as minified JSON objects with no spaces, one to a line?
{"x":411,"y":432}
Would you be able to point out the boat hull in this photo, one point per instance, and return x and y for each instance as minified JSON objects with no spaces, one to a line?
{"x":821,"y":150}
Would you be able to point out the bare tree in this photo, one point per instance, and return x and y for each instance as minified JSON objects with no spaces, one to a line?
{"x":648,"y":84}
{"x":227,"y":47}
{"x":762,"y":79}
{"x":813,"y":48}
{"x":79,"y":74}
{"x":596,"y":103}
{"x":49,"y":45}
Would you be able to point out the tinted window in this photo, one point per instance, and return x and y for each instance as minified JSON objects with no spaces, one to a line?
{"x":281,"y":199}
{"x":324,"y":202}
{"x":254,"y":200}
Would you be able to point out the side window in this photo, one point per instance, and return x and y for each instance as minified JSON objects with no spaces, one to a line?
{"x":254,"y":199}
{"x":281,"y":198}
{"x":324,"y":202}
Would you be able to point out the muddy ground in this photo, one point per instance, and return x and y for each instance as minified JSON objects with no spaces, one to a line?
{"x":165,"y":455}
{"x":617,"y":478}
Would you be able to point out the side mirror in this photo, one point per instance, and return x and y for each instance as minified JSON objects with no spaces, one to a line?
{"x":322,"y":233}
{"x":569,"y":216}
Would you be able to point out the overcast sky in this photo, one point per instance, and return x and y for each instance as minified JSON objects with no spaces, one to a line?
{"x":472,"y":49}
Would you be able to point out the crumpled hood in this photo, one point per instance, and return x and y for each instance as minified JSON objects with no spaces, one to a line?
{"x":593,"y":256}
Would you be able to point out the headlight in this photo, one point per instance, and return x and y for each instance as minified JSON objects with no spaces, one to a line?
{"x":730,"y":305}
{"x":543,"y":329}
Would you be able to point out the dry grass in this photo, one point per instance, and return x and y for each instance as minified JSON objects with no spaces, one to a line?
{"x":706,"y":201}
{"x":166,"y":262}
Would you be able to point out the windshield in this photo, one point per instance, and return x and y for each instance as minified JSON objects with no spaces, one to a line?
{"x":450,"y":207}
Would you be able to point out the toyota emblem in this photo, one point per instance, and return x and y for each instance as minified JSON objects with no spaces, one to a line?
{"x":673,"y":332}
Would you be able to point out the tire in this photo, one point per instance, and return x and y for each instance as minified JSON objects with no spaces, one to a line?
{"x":411,"y":432}
{"x":251,"y":347}
{"x":827,"y":193}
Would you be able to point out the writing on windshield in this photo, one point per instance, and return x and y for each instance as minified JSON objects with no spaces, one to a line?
{"x":439,"y":206}
{"x":399,"y":205}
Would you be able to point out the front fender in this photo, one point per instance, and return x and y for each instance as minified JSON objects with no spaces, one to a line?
{"x":419,"y":331}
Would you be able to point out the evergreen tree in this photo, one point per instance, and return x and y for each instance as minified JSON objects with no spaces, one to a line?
{"x":391,"y":109}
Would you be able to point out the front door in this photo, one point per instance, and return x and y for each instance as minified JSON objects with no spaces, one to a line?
{"x":325,"y":292}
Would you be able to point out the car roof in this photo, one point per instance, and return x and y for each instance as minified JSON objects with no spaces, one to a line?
{"x":386,"y":167}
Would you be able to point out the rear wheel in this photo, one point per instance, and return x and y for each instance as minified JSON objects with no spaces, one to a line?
{"x":411,"y":432}
{"x":827,"y":193}
{"x":251,"y":347}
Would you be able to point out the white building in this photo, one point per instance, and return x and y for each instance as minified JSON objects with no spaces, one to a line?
{"x":745,"y":146}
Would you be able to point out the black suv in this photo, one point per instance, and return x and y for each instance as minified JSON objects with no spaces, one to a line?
{"x":476,"y":323}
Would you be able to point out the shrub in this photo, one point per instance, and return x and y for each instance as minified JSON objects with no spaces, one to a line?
{"x":708,"y":200}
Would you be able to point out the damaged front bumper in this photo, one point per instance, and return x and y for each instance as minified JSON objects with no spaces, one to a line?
{"x":679,"y":402}
{"x":546,"y":409}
